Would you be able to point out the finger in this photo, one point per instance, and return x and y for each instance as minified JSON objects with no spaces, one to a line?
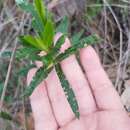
{"x":61,"y":108}
{"x":77,"y":80}
{"x":41,"y":108}
{"x":103,"y":90}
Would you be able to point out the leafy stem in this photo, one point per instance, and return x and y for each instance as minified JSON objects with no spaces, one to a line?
{"x":43,"y":40}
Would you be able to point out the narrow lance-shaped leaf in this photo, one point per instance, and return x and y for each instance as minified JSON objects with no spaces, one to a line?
{"x":40,"y":75}
{"x":58,"y":45}
{"x":68,"y":91}
{"x":74,"y":48}
{"x":28,"y":7}
{"x":28,"y":41}
{"x":49,"y":58}
{"x":23,"y":53}
{"x":27,"y":52}
{"x":35,"y":26}
{"x":76,"y":37}
{"x":41,"y":10}
{"x":36,"y":42}
{"x":23,"y":72}
{"x":63,"y":26}
{"x":48,"y":34}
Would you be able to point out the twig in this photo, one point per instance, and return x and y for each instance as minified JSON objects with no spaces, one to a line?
{"x":7,"y":22}
{"x":105,"y":32}
{"x":128,"y":47}
{"x":9,"y":67}
{"x":7,"y":76}
{"x":121,"y":44}
{"x":115,"y":5}
{"x":127,"y":54}
{"x":24,"y":114}
{"x":126,"y":1}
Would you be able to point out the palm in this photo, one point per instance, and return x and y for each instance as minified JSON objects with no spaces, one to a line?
{"x":99,"y":104}
{"x":101,"y":120}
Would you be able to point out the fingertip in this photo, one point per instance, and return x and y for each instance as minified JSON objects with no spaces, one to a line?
{"x":90,"y":59}
{"x":57,"y":36}
{"x":41,"y":108}
{"x":66,"y":45}
{"x":89,"y":54}
{"x":99,"y":81}
{"x":30,"y":75}
{"x":87,"y":50}
{"x":38,"y":64}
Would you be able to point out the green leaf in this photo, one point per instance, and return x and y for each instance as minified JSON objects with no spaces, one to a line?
{"x":63,"y":26}
{"x":44,"y":26}
{"x":6,"y":54}
{"x":1,"y":87}
{"x":36,"y":26}
{"x":40,"y":75}
{"x":49,"y":58}
{"x":90,"y":40}
{"x":25,"y":6}
{"x":58,"y":45}
{"x":76,"y":37}
{"x":28,"y":41}
{"x":68,"y":91}
{"x":74,"y":48}
{"x":24,"y":71}
{"x":23,"y":53}
{"x":48,"y":33}
{"x":41,"y":10}
{"x":33,"y":41}
{"x":27,"y":52}
{"x":28,"y":7}
{"x":5,"y":115}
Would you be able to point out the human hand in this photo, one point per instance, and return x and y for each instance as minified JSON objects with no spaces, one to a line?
{"x":99,"y":103}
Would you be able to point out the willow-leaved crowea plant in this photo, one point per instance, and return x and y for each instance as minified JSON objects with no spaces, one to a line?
{"x":43,"y":40}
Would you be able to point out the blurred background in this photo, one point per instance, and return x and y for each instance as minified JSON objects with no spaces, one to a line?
{"x":110,"y":19}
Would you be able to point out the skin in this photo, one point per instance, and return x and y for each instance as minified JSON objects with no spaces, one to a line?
{"x":99,"y":104}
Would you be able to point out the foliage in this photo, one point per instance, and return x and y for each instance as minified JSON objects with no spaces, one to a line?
{"x":68,"y":90}
{"x":63,"y":26}
{"x":5,"y":115}
{"x":43,"y":40}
